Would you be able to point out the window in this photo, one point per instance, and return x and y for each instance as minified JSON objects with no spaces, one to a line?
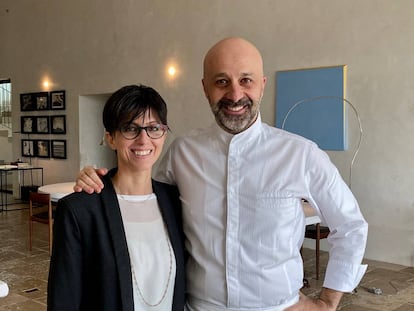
{"x":5,"y":105}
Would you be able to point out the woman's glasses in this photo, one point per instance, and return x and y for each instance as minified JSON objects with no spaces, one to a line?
{"x":132,"y":131}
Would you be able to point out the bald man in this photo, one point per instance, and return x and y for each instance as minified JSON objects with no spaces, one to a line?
{"x":241,"y":183}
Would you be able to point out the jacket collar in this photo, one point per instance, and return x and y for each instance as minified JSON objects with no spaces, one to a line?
{"x":251,"y":133}
{"x":119,"y":244}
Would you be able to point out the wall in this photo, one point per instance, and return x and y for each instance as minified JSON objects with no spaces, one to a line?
{"x":92,"y":149}
{"x":6,"y":147}
{"x":94,"y":47}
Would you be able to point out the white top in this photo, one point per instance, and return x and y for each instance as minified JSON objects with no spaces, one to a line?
{"x":244,"y":221}
{"x":152,"y":256}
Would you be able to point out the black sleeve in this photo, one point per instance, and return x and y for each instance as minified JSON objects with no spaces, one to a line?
{"x":65,"y":273}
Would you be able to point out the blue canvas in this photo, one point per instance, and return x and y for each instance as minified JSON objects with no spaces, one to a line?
{"x":319,"y":112}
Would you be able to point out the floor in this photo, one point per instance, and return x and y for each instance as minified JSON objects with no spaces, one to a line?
{"x":26,"y":272}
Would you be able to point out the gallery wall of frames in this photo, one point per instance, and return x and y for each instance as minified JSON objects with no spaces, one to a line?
{"x":42,"y":118}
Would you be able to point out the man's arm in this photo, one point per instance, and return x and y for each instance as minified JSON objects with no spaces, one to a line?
{"x":328,"y":301}
{"x":89,"y":180}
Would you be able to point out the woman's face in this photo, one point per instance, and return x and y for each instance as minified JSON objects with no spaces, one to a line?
{"x":140,"y":153}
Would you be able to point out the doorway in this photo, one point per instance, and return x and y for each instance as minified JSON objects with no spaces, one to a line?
{"x":93,"y":150}
{"x":6,"y":151}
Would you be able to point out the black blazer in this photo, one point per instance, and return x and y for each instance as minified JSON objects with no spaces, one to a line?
{"x":90,"y":267}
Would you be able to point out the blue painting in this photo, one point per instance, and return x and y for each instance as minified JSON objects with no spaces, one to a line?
{"x":310,"y":102}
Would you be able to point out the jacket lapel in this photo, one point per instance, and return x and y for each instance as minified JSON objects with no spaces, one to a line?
{"x":119,"y":244}
{"x":167,"y":211}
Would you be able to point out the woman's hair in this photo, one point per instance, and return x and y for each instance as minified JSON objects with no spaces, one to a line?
{"x":131,"y":102}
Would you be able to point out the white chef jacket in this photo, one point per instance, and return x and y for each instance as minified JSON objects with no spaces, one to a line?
{"x":244,"y":221}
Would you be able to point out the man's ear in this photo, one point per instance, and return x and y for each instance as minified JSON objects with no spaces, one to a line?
{"x":204,"y":88}
{"x":263,"y":87}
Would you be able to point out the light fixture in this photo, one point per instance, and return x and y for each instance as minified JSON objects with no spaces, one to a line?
{"x":46,"y":83}
{"x":172,"y":71}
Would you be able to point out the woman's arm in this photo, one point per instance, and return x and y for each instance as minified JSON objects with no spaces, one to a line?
{"x":65,"y":284}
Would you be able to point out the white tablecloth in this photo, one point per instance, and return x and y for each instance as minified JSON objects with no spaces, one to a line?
{"x":57,"y":191}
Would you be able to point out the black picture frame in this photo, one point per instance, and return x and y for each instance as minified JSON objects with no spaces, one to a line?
{"x":27,"y":102}
{"x":57,"y":100}
{"x":58,"y":124}
{"x":28,"y":124}
{"x":41,"y":101}
{"x":42,"y":125}
{"x":28,"y":148}
{"x":42,"y":148}
{"x":58,"y":147}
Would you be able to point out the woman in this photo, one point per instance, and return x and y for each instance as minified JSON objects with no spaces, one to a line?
{"x":122,"y":249}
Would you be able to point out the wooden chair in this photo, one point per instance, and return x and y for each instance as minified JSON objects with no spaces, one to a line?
{"x":316,"y":232}
{"x":40,"y":210}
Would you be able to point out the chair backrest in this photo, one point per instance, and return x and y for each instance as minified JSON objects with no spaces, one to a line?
{"x":41,"y":201}
{"x":40,"y":198}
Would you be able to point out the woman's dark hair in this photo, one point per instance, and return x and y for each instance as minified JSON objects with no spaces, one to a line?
{"x":129,"y":103}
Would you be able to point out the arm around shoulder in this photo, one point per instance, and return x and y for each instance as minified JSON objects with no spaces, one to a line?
{"x":89,"y":179}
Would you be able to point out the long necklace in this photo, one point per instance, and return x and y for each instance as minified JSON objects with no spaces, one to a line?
{"x":168,"y":280}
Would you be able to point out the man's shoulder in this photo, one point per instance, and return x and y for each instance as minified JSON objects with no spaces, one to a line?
{"x":193,"y":137}
{"x":196,"y":132}
{"x":285,"y":136}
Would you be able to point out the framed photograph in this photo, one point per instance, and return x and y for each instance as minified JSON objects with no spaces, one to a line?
{"x":28,"y":124}
{"x":42,"y":125}
{"x":41,"y":101}
{"x":59,"y":149}
{"x":28,"y":148}
{"x":27,"y":102}
{"x":57,"y":100}
{"x":58,"y":124}
{"x":42,"y":148}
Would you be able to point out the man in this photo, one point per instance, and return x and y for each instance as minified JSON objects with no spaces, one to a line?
{"x":241,"y":183}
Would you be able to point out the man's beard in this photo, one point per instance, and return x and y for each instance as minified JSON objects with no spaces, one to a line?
{"x":235,"y":123}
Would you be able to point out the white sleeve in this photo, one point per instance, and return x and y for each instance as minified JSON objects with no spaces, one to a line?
{"x":339,"y":210}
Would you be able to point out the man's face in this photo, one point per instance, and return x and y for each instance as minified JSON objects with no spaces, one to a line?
{"x":233,"y":84}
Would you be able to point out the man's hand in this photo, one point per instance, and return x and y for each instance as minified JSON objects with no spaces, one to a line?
{"x":88,"y":180}
{"x":328,"y":301}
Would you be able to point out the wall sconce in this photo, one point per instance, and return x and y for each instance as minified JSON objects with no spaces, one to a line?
{"x":46,"y":83}
{"x":172,"y":71}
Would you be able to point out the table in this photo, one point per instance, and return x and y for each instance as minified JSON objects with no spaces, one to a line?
{"x":312,"y":218}
{"x":57,"y":191}
{"x":5,"y":170}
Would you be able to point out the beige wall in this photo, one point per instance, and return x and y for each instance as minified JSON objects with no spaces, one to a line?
{"x":6,"y":147}
{"x":93,"y":47}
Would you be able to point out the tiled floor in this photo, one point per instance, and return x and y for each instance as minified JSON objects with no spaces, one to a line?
{"x":26,"y":272}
